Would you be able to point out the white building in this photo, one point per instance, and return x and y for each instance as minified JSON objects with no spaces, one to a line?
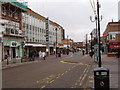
{"x":36,"y":33}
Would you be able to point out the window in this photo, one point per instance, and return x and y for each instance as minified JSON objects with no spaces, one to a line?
{"x":112,"y":37}
{"x":12,"y":31}
{"x":7,"y":30}
{"x":3,"y":10}
{"x":16,"y":15}
{"x":16,"y":31}
{"x":10,"y":13}
{"x":26,"y":26}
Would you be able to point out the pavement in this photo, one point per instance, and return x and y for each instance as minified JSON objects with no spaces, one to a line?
{"x":111,"y":63}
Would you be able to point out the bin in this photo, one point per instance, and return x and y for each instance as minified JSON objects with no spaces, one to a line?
{"x":101,"y":78}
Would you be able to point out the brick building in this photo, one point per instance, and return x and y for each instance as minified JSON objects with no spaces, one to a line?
{"x":111,"y":37}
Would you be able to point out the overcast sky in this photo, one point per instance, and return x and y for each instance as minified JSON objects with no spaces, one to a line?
{"x":74,"y":15}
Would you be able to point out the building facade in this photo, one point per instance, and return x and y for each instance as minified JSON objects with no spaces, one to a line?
{"x":11,"y":31}
{"x":37,"y":34}
{"x":111,"y":37}
{"x":23,"y":31}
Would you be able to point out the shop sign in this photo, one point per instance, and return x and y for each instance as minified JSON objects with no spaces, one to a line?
{"x":115,"y":46}
{"x":14,"y":44}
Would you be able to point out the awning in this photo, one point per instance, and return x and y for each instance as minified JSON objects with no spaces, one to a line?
{"x":35,"y":45}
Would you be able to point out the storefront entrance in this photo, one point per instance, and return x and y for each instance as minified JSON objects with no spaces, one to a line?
{"x":13,"y":52}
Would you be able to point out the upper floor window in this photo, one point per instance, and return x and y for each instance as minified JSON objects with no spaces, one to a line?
{"x":112,"y":37}
{"x":10,"y":13}
{"x":16,"y":15}
{"x":4,"y":10}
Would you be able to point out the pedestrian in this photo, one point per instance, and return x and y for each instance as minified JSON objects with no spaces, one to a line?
{"x":91,"y":53}
{"x":40,"y":54}
{"x":83,"y":52}
{"x":43,"y":55}
{"x":33,"y":56}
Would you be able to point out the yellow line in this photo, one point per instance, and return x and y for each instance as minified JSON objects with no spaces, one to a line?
{"x":91,"y":81}
{"x":62,"y":74}
{"x":66,"y":71}
{"x":43,"y":86}
{"x":52,"y":81}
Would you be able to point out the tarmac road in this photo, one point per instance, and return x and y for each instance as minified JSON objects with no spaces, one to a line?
{"x":68,"y":72}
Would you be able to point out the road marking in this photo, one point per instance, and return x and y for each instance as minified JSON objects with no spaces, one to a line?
{"x":43,"y":86}
{"x":37,"y":81}
{"x":62,"y":74}
{"x":91,"y":81}
{"x":83,"y":76}
{"x":52,"y":81}
{"x":66,"y":71}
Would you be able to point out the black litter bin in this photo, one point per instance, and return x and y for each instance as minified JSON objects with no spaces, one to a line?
{"x":101,"y":78}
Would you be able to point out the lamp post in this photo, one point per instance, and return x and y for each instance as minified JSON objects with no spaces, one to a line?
{"x":95,"y":20}
{"x":56,"y":41}
{"x":86,"y":45}
{"x":99,"y":46}
{"x":67,"y":42}
{"x":67,"y":46}
{"x":47,"y":36}
{"x":91,"y":41}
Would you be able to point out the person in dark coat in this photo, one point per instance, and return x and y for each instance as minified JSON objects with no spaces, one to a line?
{"x":83,"y":52}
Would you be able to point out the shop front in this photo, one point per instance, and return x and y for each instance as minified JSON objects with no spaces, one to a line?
{"x":12,"y":49}
{"x":114,"y":48}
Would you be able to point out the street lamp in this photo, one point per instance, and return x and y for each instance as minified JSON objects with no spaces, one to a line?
{"x":67,"y":46}
{"x":99,"y":54}
{"x":95,"y":20}
{"x":67,"y":42}
{"x":56,"y":41}
{"x":86,"y":44}
{"x":91,"y":41}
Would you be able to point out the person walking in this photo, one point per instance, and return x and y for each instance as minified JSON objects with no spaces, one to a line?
{"x":43,"y":55}
{"x":33,"y":56}
{"x":40,"y":54}
{"x":83,"y":52}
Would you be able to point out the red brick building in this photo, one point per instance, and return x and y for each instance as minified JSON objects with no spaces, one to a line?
{"x":111,"y":37}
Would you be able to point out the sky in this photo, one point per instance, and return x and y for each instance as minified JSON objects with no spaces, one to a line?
{"x":74,"y":15}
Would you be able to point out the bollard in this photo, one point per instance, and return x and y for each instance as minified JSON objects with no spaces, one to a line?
{"x":101,"y":78}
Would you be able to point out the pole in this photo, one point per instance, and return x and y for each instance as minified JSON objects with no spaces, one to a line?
{"x":56,"y":42}
{"x":67,"y":46}
{"x":91,"y":41}
{"x":99,"y":54}
{"x":96,"y":29}
{"x":86,"y":45}
{"x":47,"y":37}
{"x":67,"y":41}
